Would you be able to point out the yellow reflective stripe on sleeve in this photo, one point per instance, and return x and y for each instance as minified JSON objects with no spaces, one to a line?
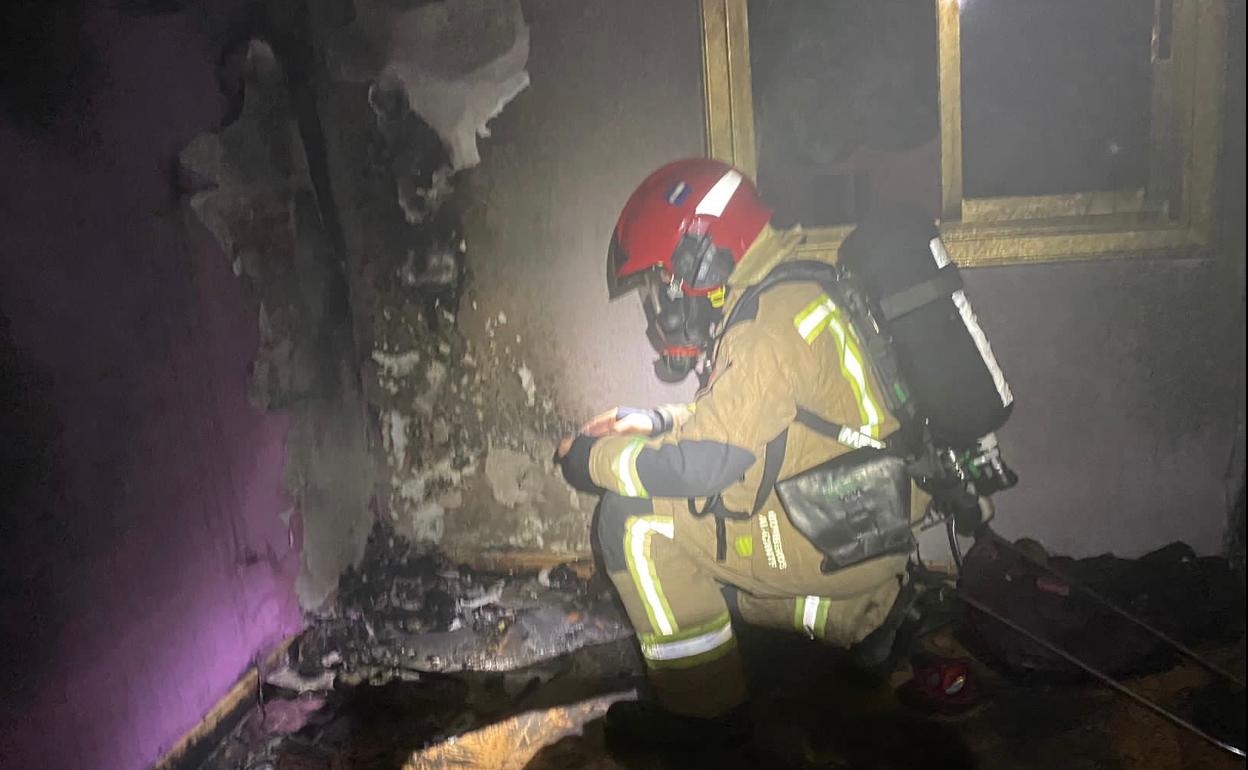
{"x":810,"y":614}
{"x":810,"y":323}
{"x":810,"y":607}
{"x":628,"y":483}
{"x":637,"y":535}
{"x":821,"y":618}
{"x":853,"y":368}
{"x":799,"y":610}
{"x":814,"y":318}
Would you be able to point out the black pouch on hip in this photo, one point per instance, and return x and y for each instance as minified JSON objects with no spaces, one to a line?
{"x":853,"y":508}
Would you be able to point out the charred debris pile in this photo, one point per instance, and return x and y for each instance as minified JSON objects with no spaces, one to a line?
{"x":408,"y":609}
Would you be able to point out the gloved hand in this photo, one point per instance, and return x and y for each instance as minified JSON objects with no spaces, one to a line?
{"x":621,"y":420}
{"x":573,"y":458}
{"x":674,"y":415}
{"x":615,"y":422}
{"x":626,"y":420}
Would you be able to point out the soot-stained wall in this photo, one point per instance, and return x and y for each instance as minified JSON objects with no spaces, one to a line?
{"x":469,"y":394}
{"x":1127,"y":373}
{"x":144,"y":559}
{"x":616,"y":91}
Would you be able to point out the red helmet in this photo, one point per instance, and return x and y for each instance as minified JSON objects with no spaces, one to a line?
{"x":691,"y":220}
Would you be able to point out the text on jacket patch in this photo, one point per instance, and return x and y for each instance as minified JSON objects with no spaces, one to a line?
{"x":769,"y":528}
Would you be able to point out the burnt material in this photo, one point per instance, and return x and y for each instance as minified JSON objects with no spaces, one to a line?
{"x":408,"y":609}
{"x":406,"y":154}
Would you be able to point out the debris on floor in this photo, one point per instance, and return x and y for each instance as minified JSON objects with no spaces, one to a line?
{"x":1196,"y":600}
{"x":513,"y":743}
{"x":408,"y":609}
{"x":431,"y":721}
{"x":417,"y":660}
{"x":422,"y":664}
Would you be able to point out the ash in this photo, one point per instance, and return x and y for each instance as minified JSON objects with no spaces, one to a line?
{"x":408,"y":609}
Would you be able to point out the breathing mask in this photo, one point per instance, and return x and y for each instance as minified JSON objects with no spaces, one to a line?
{"x":684,"y":307}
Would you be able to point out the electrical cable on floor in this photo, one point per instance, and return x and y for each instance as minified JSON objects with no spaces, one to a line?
{"x":1174,"y":643}
{"x":985,"y":530}
{"x":1104,"y":678}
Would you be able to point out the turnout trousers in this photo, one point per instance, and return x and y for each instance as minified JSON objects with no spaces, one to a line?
{"x":670,"y":568}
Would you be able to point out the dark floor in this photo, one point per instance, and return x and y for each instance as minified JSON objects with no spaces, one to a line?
{"x":547,"y":718}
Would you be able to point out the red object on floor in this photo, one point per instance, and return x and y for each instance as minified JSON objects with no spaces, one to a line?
{"x":940,"y":685}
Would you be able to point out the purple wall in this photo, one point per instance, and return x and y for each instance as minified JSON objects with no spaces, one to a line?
{"x":153,"y":566}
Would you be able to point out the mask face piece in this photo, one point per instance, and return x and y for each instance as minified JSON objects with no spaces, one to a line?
{"x":680,"y":327}
{"x":699,"y":265}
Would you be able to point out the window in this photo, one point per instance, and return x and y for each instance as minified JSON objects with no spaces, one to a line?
{"x":1068,"y":129}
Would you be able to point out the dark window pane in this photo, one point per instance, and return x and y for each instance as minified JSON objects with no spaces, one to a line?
{"x":1056,"y":95}
{"x":846,"y":110}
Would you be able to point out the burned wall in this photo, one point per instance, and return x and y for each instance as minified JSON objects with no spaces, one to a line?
{"x":457,"y":355}
{"x":476,"y":157}
{"x":470,"y":393}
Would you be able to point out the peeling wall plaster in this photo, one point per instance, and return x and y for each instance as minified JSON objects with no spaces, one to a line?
{"x":459,"y":62}
{"x":249,"y":184}
{"x":467,"y":425}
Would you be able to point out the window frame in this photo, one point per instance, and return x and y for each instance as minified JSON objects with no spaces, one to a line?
{"x":1188,"y":99}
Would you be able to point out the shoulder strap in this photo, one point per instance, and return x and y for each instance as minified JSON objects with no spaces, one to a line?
{"x":803,"y":271}
{"x":818,"y":424}
{"x":773,"y":459}
{"x":846,"y":295}
{"x":773,"y":455}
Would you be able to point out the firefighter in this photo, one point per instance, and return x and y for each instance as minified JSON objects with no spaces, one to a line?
{"x":686,"y":508}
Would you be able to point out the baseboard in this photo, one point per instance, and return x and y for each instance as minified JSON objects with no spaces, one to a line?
{"x":194,"y":747}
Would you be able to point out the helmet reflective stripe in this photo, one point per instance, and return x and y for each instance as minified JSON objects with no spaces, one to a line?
{"x":716,"y":198}
{"x":628,"y":482}
{"x":697,"y":641}
{"x":637,"y":535}
{"x":678,"y":193}
{"x":701,"y":197}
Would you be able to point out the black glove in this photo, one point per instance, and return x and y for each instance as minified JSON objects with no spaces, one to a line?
{"x":575,"y":465}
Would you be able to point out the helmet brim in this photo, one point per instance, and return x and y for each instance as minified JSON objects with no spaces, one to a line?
{"x":618,"y":284}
